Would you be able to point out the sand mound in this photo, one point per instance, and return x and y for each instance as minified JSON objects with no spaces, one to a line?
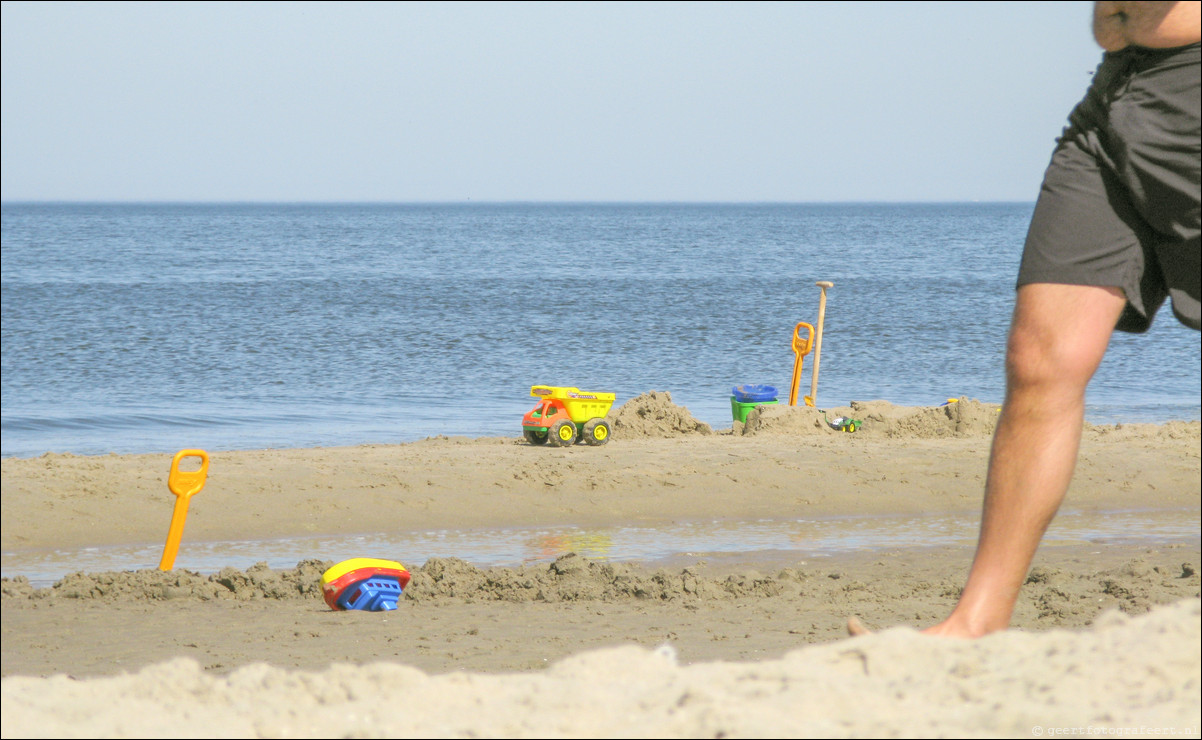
{"x":1133,"y":587}
{"x":653,"y":414}
{"x":573,"y":578}
{"x":964,"y":418}
{"x":1123,"y":673}
{"x":256,"y":582}
{"x":1185,"y":430}
{"x":569,"y":578}
{"x":786,"y":420}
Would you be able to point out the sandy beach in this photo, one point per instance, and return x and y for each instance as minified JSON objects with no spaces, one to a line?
{"x":1106,"y":636}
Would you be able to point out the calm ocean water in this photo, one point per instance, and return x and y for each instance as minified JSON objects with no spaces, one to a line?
{"x":152,"y":328}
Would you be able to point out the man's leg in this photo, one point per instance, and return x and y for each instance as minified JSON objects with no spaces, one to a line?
{"x":1058,"y":337}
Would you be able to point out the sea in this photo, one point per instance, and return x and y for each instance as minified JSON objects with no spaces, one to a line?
{"x":153,"y":328}
{"x":150,"y":328}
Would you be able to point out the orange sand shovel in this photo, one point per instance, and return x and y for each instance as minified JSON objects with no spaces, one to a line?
{"x":801,"y":348}
{"x":185,"y":485}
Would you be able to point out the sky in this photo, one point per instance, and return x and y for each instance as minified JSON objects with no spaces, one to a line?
{"x":503,"y":101}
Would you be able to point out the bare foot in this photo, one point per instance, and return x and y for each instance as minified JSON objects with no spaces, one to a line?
{"x":944,"y":629}
{"x":856,"y":628}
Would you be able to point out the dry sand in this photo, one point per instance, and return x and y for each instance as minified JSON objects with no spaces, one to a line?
{"x":1106,"y":638}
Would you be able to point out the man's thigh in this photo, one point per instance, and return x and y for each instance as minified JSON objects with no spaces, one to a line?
{"x":1086,"y":232}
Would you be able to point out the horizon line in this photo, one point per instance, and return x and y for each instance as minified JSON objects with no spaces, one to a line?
{"x":469,"y":201}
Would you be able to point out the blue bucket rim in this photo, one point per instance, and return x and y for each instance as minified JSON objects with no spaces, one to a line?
{"x":752,"y":392}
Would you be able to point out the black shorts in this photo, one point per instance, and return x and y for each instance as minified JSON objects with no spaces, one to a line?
{"x":1119,"y":205}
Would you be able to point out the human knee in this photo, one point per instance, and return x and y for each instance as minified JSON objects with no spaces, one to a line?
{"x":1035,"y":358}
{"x":1060,"y":332}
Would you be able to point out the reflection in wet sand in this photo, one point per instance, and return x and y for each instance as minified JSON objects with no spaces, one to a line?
{"x":804,"y":538}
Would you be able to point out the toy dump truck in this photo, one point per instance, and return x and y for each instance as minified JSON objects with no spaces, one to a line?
{"x":566,"y":415}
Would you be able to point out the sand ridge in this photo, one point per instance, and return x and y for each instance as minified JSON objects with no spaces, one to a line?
{"x":895,"y":683}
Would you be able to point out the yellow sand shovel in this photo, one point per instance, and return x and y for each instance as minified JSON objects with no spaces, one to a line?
{"x":185,"y":485}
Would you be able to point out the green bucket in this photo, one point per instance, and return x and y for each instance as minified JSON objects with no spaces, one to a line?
{"x":739,"y":409}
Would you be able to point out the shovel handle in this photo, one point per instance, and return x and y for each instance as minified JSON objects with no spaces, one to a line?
{"x":822,"y":285}
{"x":185,"y":485}
{"x":188,"y":483}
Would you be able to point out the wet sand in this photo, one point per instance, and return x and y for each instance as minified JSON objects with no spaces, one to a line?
{"x":703,"y":644}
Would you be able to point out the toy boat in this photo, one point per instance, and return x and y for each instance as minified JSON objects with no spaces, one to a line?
{"x":366,"y":584}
